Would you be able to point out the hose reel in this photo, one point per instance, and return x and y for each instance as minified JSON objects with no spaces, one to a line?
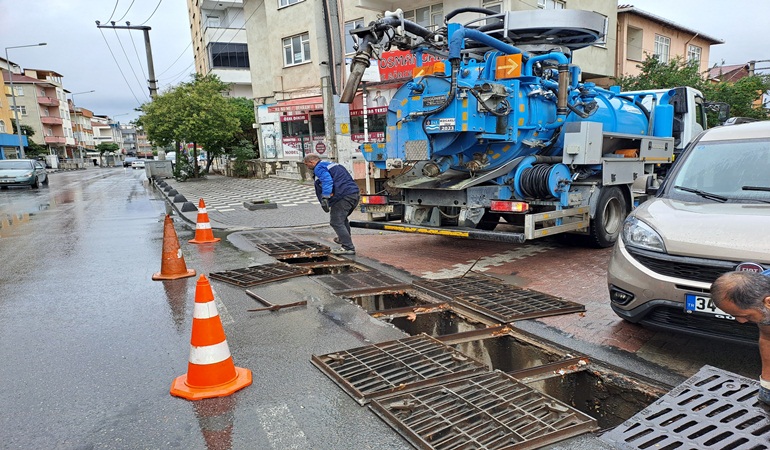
{"x":533,"y":179}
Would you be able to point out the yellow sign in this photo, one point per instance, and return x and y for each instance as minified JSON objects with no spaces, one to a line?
{"x":344,"y":128}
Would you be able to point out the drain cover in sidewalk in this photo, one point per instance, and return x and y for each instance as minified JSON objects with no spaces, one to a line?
{"x":713,"y":409}
{"x":361,"y":283}
{"x":381,"y":369}
{"x":295,"y":249}
{"x":450,"y":288}
{"x":254,"y":275}
{"x":485,"y":411}
{"x":517,"y":304}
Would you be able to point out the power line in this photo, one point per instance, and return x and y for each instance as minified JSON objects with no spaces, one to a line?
{"x":126,"y":13}
{"x":113,"y":10}
{"x":119,"y":69}
{"x":136,"y":52}
{"x":131,"y":66}
{"x":153,"y":13}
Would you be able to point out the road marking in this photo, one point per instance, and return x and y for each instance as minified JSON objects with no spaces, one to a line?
{"x":497,"y":259}
{"x":281,"y":429}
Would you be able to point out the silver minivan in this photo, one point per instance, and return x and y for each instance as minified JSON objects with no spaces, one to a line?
{"x":711,"y":215}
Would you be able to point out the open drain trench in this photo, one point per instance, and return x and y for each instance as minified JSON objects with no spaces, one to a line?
{"x":465,"y":378}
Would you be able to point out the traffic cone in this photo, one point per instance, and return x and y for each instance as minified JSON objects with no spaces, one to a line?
{"x":172,"y":264}
{"x":203,"y":233}
{"x":210,"y":370}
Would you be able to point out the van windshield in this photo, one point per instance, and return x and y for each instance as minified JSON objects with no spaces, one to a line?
{"x":735,"y":170}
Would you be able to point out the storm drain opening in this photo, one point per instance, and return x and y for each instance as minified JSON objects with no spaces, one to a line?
{"x":712,"y":409}
{"x":605,"y":394}
{"x":286,"y":251}
{"x":378,"y":304}
{"x":408,"y":363}
{"x":485,"y":411}
{"x":436,"y":322}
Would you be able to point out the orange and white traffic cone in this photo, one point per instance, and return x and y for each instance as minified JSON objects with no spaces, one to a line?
{"x":203,"y":233}
{"x":210,"y":370}
{"x":172,"y":265}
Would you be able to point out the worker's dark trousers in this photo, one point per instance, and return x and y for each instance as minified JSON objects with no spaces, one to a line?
{"x":339,"y":212}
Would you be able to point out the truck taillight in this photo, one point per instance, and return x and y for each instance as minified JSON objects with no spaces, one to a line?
{"x":509,"y":206}
{"x":374,"y":199}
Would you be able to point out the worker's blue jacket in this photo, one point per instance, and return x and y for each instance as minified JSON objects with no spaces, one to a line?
{"x":333,"y":181}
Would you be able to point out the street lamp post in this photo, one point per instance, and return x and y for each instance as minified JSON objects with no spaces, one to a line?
{"x":13,"y":95}
{"x":77,"y":138}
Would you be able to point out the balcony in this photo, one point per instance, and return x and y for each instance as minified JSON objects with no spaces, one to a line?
{"x":48,"y":101}
{"x":51,"y":120}
{"x":55,"y":140}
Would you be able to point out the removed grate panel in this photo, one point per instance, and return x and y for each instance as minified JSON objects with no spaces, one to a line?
{"x":380,"y":369}
{"x":269,"y":237}
{"x":361,"y":283}
{"x":517,"y":304}
{"x":450,"y":288}
{"x":485,"y":411}
{"x":293,"y":250}
{"x":254,"y":275}
{"x":713,"y":409}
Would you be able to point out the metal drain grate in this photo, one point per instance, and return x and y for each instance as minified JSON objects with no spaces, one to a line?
{"x":361,"y":283}
{"x":296,"y":249}
{"x":450,"y":288}
{"x":380,"y":369}
{"x":486,"y":411}
{"x":517,"y":304}
{"x":254,"y":275}
{"x":713,"y":409}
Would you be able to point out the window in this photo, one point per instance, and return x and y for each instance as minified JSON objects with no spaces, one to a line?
{"x":662,"y":45}
{"x":228,"y":55}
{"x":634,"y":43}
{"x":550,"y":4}
{"x":42,"y":92}
{"x":492,"y":5}
{"x":282,"y":3}
{"x":22,"y":109}
{"x":19,"y":91}
{"x":603,"y":38}
{"x":693,"y":54}
{"x":2,"y":126}
{"x":430,"y":15}
{"x":212,"y":22}
{"x":296,"y":49}
{"x":348,"y":38}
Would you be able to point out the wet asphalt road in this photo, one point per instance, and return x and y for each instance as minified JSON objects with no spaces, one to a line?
{"x":90,"y":345}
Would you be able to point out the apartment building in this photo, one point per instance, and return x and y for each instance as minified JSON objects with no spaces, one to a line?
{"x":9,"y":142}
{"x":81,"y":129}
{"x":302,"y":68}
{"x":641,"y":33}
{"x":219,"y":42}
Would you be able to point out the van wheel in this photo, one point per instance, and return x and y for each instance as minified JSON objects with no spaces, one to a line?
{"x":36,"y":183}
{"x":611,"y":211}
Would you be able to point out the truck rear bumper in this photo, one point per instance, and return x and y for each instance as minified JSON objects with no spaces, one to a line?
{"x":465,"y":233}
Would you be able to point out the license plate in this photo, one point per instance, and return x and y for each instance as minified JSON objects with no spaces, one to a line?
{"x":702,"y":304}
{"x":377,"y":208}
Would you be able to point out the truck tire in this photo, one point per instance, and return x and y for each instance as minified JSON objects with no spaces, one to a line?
{"x":611,"y":211}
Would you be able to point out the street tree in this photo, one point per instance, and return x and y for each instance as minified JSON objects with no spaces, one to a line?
{"x":105,"y":147}
{"x":244,"y":110}
{"x":742,"y":95}
{"x":32,"y":149}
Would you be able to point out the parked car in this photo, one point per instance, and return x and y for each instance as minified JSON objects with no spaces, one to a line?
{"x":129,"y":159}
{"x":22,"y":172}
{"x":710,"y":216}
{"x":137,"y":164}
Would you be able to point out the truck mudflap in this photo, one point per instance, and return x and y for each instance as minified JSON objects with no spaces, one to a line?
{"x":465,"y":233}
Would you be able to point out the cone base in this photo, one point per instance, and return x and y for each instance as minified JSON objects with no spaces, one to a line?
{"x":174,"y":276}
{"x":179,"y":387}
{"x":201,"y":241}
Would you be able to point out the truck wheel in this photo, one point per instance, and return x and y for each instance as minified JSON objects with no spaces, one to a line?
{"x":611,"y":211}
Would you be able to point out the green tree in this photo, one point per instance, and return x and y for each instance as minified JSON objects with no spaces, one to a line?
{"x":194,"y":112}
{"x":740,"y":95}
{"x":244,"y":110}
{"x":32,"y":149}
{"x":242,"y":152}
{"x":105,"y":147}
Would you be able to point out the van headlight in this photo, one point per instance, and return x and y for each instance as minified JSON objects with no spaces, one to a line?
{"x":638,"y":234}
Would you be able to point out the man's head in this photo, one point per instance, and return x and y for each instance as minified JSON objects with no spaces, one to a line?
{"x":743,"y":295}
{"x":311,"y":161}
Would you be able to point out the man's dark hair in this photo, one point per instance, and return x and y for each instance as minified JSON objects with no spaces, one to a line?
{"x":746,"y":289}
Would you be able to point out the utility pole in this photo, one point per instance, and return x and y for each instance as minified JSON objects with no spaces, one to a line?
{"x":148,"y":49}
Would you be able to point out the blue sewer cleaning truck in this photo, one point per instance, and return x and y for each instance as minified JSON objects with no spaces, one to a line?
{"x":502,"y":129}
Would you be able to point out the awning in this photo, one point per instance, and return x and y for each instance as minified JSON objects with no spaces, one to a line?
{"x":298,"y":104}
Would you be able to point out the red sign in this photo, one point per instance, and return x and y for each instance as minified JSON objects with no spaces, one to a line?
{"x":398,"y":65}
{"x":369,"y":111}
{"x":294,"y":118}
{"x":320,"y":148}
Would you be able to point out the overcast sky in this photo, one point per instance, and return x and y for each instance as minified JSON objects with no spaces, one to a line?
{"x":77,"y":49}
